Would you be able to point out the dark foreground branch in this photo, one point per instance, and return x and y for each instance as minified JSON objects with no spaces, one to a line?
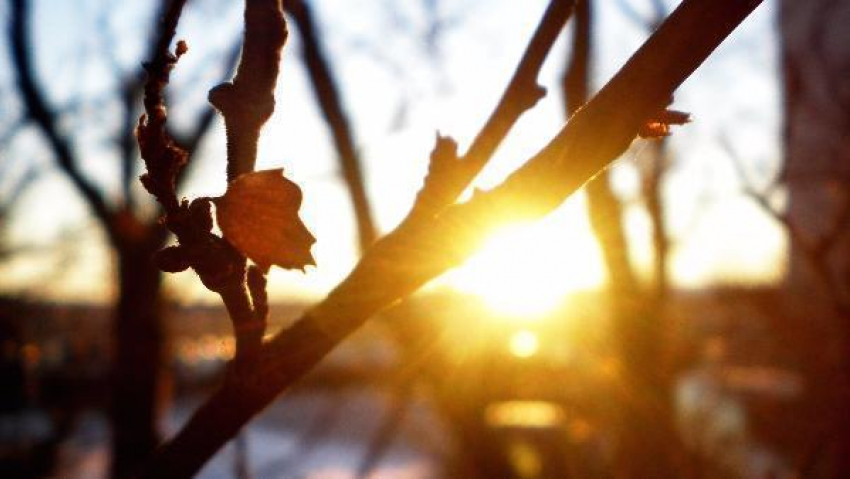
{"x":246,"y":103}
{"x":417,"y":250}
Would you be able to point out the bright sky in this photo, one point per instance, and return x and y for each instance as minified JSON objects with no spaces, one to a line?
{"x":398,"y":93}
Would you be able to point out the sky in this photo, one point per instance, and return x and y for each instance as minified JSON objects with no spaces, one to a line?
{"x":401,"y":84}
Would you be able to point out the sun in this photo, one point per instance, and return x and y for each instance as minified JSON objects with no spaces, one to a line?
{"x":524,"y":271}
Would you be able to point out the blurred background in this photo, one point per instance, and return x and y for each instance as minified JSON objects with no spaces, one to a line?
{"x":686,"y":315}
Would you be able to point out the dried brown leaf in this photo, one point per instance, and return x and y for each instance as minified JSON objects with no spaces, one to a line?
{"x":259,"y":216}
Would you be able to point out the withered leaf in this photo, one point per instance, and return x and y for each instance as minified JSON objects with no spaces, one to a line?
{"x":259,"y":216}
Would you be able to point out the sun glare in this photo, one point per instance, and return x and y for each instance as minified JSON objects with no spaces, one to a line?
{"x":525,"y":271}
{"x":524,"y":344}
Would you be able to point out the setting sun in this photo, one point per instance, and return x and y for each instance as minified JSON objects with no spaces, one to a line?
{"x":524,"y":271}
{"x":524,"y":344}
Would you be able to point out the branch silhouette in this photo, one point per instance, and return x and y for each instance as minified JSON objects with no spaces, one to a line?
{"x":418,"y":251}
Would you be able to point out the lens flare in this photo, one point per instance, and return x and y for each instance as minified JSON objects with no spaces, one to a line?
{"x":524,"y":344}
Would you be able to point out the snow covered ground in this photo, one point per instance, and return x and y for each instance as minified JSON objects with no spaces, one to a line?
{"x":303,"y":435}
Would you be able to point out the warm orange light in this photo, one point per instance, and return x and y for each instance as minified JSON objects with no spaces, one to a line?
{"x":524,"y":414}
{"x":524,"y":344}
{"x":524,"y":271}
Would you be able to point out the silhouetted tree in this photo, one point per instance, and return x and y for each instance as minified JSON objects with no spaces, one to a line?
{"x":815,"y":50}
{"x":133,"y":235}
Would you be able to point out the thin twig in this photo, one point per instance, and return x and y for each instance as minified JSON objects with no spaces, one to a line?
{"x":816,"y":250}
{"x":449,"y":175}
{"x":246,"y":104}
{"x":331,"y":105}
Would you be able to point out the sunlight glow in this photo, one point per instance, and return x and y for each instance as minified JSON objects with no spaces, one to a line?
{"x":524,"y":344}
{"x":524,"y":414}
{"x":524,"y":271}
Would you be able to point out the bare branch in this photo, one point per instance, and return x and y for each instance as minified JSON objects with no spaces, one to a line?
{"x":192,"y":140}
{"x":129,"y":92}
{"x":42,"y":115}
{"x":418,"y":250}
{"x":164,"y":160}
{"x":449,"y":174}
{"x":248,"y":102}
{"x":814,"y":250}
{"x":576,"y":83}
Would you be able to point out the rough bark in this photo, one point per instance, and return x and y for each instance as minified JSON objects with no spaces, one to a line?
{"x":327,"y":94}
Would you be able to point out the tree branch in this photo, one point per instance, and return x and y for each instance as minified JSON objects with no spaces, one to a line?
{"x":324,"y":87}
{"x":129,"y":93}
{"x":248,"y":102}
{"x":192,"y":140}
{"x":449,"y":175}
{"x":40,"y":112}
{"x":417,"y":250}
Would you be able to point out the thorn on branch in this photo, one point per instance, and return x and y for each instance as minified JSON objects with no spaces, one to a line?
{"x":530,"y":96}
{"x":449,"y":175}
{"x":658,"y":126}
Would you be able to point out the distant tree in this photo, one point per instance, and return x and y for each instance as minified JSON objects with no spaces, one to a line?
{"x":816,"y":71}
{"x":133,"y":234}
{"x":648,"y":444}
{"x":815,"y":54}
